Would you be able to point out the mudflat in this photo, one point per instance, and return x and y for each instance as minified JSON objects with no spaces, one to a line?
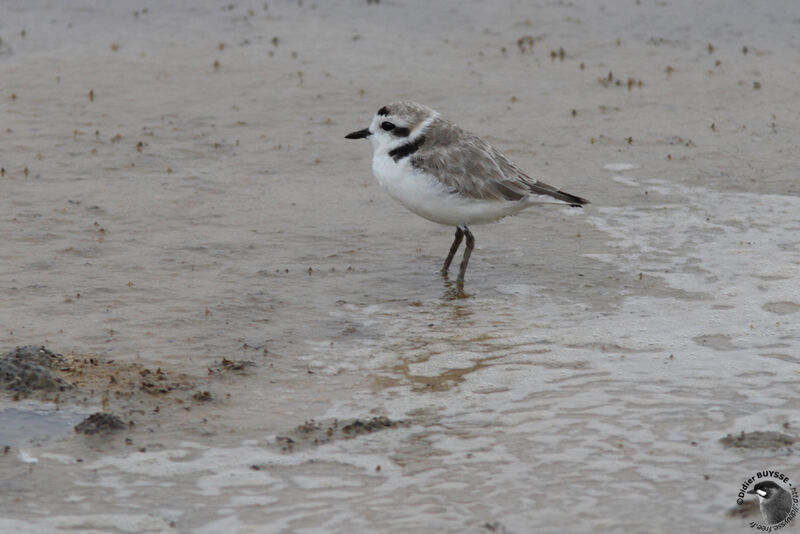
{"x":184,"y":223}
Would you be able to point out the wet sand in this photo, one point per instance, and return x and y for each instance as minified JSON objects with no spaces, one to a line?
{"x":176,"y":192}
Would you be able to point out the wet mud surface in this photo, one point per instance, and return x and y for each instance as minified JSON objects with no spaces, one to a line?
{"x":211,"y":262}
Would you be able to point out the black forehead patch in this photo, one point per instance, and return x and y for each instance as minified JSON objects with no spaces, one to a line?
{"x":383,"y":111}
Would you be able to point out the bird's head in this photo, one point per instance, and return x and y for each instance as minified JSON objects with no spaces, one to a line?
{"x":766,"y":490}
{"x":395,"y":124}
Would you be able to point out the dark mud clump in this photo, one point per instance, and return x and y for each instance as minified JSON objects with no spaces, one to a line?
{"x":359,"y":427}
{"x":133,"y":391}
{"x":759,"y":440}
{"x":285,"y":443}
{"x":100,"y":423}
{"x":313,"y":433}
{"x":202,"y":396}
{"x":26,"y":370}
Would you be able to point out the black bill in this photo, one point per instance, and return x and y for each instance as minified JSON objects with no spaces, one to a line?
{"x":361,"y":134}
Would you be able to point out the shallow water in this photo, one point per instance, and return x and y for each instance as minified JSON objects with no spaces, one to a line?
{"x":584,"y":383}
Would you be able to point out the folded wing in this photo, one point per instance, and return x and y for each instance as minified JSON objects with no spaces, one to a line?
{"x":467,"y":165}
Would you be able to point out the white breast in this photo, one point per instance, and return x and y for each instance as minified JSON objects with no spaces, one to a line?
{"x":425,"y":196}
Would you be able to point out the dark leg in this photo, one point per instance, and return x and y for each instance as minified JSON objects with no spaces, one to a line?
{"x":453,"y":249}
{"x":467,"y":252}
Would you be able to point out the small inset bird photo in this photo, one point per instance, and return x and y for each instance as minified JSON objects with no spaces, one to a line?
{"x":775,"y":501}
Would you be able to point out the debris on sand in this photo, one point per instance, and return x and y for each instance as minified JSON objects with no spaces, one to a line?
{"x":25,"y":370}
{"x":313,"y":433}
{"x":359,"y":427}
{"x":759,"y":440}
{"x":100,"y":423}
{"x":231,"y":365}
{"x":202,"y":396}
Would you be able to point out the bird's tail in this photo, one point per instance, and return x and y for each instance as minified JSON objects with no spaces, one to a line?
{"x":540,"y":188}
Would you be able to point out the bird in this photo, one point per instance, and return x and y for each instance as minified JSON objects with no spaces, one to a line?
{"x":775,"y":502}
{"x":448,"y":175}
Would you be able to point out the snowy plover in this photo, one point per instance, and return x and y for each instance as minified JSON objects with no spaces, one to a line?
{"x":775,"y":502}
{"x":447,"y":175}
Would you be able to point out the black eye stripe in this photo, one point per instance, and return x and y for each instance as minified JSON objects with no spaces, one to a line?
{"x":399,"y":131}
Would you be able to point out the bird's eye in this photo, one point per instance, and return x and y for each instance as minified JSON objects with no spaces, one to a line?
{"x":388,"y":126}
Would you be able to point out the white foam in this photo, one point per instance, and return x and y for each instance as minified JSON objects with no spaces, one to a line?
{"x":625,"y":181}
{"x":620,"y":166}
{"x":27,"y":457}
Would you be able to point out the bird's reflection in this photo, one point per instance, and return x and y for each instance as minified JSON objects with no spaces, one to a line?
{"x":453,"y":290}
